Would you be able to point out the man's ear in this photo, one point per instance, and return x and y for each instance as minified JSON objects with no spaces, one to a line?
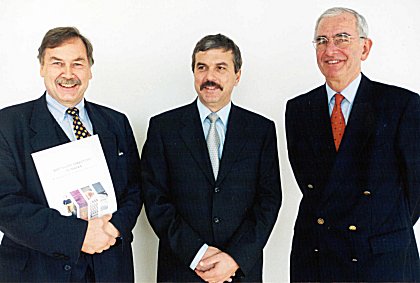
{"x":366,"y":48}
{"x":238,"y":77}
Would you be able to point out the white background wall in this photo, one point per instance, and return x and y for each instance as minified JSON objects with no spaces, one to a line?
{"x":142,"y":52}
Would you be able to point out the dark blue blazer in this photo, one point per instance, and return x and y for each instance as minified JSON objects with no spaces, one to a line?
{"x":39,"y":244}
{"x":187,"y":207}
{"x":359,"y":205}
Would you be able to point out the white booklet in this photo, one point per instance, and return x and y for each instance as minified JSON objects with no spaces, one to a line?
{"x":76,"y":179}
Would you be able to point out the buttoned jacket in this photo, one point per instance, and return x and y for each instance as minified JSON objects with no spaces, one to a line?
{"x":187,"y":207}
{"x":359,"y":205}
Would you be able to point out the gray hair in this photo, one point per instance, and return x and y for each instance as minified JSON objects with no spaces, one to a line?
{"x":361,"y":24}
{"x":217,"y":41}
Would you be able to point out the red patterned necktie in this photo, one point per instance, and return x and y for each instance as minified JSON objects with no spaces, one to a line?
{"x":338,"y":123}
{"x":79,"y":130}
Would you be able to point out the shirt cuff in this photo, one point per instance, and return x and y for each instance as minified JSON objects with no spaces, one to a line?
{"x":198,"y":256}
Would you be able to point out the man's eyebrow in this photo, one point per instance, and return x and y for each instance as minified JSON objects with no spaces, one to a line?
{"x":80,"y":59}
{"x":59,"y":59}
{"x":342,"y":33}
{"x":338,"y":34}
{"x":55,"y":58}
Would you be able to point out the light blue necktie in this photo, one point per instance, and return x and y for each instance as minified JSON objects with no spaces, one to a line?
{"x":213,"y":143}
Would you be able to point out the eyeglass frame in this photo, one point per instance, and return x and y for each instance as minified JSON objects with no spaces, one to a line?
{"x":335,"y":37}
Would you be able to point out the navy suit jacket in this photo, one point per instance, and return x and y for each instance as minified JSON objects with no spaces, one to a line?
{"x":187,"y":207}
{"x":359,"y":205}
{"x":39,"y":244}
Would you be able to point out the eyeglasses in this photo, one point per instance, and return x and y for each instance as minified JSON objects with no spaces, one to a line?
{"x":341,"y":41}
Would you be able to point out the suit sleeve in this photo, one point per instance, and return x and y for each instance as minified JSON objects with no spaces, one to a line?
{"x":27,"y":223}
{"x":130,"y":204}
{"x":293,"y":138}
{"x":249,"y":240}
{"x":160,"y":209}
{"x":409,"y":148}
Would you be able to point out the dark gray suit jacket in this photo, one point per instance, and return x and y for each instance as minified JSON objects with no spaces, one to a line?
{"x":39,"y":244}
{"x":187,"y":207}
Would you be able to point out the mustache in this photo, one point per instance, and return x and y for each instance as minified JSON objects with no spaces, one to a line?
{"x":210,"y":83}
{"x":70,"y":81}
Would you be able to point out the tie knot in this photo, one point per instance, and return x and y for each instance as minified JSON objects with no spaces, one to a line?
{"x":338,"y":98}
{"x":73,"y":111}
{"x":213,"y":117}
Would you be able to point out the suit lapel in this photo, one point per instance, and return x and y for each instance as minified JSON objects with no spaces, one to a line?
{"x":191,"y":132}
{"x":236,"y":137}
{"x":359,"y":130}
{"x":319,"y":129}
{"x":46,"y":131}
{"x":361,"y":122}
{"x":107,"y":138}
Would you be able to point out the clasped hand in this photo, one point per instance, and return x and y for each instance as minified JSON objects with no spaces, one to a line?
{"x":216,"y":266}
{"x":100,"y":235}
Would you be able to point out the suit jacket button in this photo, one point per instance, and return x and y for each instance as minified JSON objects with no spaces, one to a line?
{"x":217,"y":189}
{"x":366,"y":193}
{"x":216,"y":220}
{"x":320,"y":221}
{"x":310,"y":186}
{"x":67,"y":267}
{"x":352,"y":228}
{"x":354,"y":259}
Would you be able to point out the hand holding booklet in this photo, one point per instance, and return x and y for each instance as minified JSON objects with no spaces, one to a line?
{"x":76,"y":179}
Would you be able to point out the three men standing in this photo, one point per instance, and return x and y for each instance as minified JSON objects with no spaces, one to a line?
{"x":210,"y":172}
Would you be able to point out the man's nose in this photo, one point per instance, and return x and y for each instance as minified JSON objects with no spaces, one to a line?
{"x":67,"y":72}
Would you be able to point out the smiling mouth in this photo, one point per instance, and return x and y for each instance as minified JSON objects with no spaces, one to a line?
{"x":333,"y":62}
{"x":68,"y":83}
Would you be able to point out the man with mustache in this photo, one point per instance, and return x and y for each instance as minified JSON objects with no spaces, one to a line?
{"x":39,"y":244}
{"x":210,"y":174}
{"x":354,"y":148}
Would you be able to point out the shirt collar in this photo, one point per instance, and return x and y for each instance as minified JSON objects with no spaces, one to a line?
{"x":222,"y":113}
{"x":59,"y":111}
{"x":349,"y":92}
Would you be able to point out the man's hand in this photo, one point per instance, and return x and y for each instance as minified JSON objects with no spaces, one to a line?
{"x":224,"y":268}
{"x":110,"y":229}
{"x":210,"y":252}
{"x":100,"y":235}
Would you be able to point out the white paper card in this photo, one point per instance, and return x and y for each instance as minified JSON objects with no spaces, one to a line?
{"x":76,"y":179}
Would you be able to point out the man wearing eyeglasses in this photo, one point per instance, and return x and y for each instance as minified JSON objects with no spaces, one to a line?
{"x":354,"y":149}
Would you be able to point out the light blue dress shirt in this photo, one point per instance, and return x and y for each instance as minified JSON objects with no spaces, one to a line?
{"x":349,"y":94}
{"x":66,"y":120}
{"x":221,"y":126}
{"x":221,"y":123}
